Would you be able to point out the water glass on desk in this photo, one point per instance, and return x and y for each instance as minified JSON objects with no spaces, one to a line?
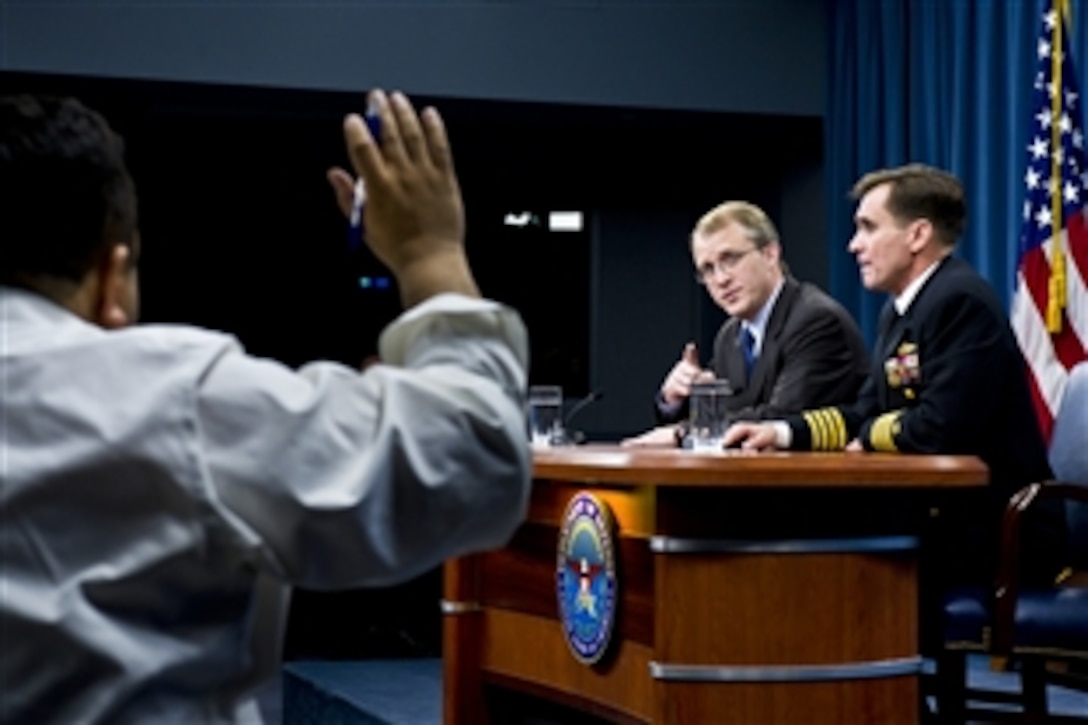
{"x":545,"y":415}
{"x":709,"y":414}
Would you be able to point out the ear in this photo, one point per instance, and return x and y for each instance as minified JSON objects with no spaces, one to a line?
{"x":919,"y":235}
{"x":774,"y":251}
{"x":117,"y":295}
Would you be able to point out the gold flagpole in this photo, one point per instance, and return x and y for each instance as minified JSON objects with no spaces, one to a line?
{"x":1056,"y":286}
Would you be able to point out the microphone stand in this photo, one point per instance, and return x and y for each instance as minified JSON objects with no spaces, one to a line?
{"x":578,"y":437}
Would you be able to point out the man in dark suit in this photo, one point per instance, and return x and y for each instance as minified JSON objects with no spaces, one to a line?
{"x":946,"y":376}
{"x":786,"y":345}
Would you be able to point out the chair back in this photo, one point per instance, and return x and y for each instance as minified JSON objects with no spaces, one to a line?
{"x":1069,"y":457}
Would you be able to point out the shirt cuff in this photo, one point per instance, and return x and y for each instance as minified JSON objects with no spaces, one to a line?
{"x":783,"y":436}
{"x":488,"y":318}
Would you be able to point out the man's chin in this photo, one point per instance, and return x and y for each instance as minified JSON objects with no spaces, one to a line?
{"x":873,"y":286}
{"x":731,"y":307}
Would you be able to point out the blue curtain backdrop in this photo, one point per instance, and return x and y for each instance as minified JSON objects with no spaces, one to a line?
{"x":942,"y":82}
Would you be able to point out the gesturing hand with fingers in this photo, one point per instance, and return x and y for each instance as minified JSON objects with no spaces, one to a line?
{"x":687,"y":370}
{"x":414,"y":217}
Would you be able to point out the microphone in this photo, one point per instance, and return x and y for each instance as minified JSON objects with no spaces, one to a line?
{"x":577,"y":437}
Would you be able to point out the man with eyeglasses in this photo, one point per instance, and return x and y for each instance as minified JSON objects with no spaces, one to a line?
{"x":786,"y":345}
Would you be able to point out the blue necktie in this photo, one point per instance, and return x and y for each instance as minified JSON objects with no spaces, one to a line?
{"x":748,"y":347}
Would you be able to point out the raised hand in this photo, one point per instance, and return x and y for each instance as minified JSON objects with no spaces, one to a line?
{"x":414,"y":218}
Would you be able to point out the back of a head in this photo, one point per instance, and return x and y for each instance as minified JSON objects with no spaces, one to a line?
{"x":65,"y":193}
{"x":921,"y":192}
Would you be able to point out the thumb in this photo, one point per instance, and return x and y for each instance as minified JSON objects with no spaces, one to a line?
{"x":691,"y":354}
{"x":343,"y":186}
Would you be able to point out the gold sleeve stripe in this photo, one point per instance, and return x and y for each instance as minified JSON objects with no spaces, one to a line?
{"x":827,"y":428}
{"x":826,"y":432}
{"x":840,"y":428}
{"x":815,"y":428}
{"x":883,"y":431}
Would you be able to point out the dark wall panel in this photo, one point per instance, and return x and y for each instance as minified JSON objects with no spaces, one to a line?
{"x":758,"y":56}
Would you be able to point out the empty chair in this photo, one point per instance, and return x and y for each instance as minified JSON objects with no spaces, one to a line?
{"x":1042,"y":630}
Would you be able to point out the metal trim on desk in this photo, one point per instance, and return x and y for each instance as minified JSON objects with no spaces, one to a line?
{"x":787,"y":673}
{"x":861,"y":545}
{"x":447,"y":606}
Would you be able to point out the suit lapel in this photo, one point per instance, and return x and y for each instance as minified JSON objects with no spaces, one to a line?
{"x":891,"y":329}
{"x":768,"y":351}
{"x":902,"y":326}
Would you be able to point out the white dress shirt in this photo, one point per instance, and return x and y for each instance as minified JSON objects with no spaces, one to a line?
{"x":757,"y":326}
{"x":161,"y":490}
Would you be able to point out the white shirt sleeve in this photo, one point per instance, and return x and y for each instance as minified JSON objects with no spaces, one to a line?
{"x":783,"y":436}
{"x":334,"y":477}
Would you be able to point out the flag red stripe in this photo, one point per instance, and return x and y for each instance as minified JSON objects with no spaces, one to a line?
{"x":1078,"y":243}
{"x":1042,"y":411}
{"x":1067,"y":346}
{"x":1036,"y":271}
{"x":1049,"y":357}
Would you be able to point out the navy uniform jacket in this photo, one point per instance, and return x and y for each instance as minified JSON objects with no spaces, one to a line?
{"x":812,"y":355}
{"x":948,"y":377}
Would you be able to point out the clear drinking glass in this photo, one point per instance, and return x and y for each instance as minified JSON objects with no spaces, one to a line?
{"x":545,"y":415}
{"x":709,"y":414}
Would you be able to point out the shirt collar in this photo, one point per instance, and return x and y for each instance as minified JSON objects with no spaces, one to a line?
{"x":905,"y":298}
{"x":758,"y":325}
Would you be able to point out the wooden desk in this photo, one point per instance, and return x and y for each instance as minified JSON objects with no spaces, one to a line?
{"x":778,"y":587}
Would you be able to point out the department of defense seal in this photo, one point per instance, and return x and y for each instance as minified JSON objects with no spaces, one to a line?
{"x":586,"y":577}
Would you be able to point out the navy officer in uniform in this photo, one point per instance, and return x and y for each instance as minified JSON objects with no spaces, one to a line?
{"x":946,"y":374}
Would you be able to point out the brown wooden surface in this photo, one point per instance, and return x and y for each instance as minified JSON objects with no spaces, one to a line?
{"x":603,"y":464}
{"x":716,"y":609}
{"x":523,"y":647}
{"x":885,"y":702}
{"x":632,"y":506}
{"x":796,"y":609}
{"x":462,"y":638}
{"x":786,"y":609}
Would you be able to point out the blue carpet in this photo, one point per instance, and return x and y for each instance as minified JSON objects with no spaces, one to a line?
{"x":363,"y":692}
{"x":409,"y":692}
{"x":1060,"y":700}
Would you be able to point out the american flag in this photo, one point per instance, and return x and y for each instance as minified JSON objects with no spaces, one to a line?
{"x":1050,"y":304}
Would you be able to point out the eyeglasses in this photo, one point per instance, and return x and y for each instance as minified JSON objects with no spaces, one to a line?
{"x":726,"y":262}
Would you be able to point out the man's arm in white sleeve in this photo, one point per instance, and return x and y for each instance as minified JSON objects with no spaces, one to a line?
{"x":336,"y":478}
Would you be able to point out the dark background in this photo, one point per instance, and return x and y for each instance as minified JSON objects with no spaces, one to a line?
{"x":650,"y":112}
{"x":241,"y":234}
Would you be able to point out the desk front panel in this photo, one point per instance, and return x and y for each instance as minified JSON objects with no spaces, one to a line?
{"x":723,"y":615}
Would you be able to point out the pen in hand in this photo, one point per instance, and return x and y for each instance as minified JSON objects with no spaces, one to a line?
{"x":355,"y":220}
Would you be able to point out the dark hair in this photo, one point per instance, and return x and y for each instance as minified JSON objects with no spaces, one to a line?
{"x":921,"y":192}
{"x":65,"y":193}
